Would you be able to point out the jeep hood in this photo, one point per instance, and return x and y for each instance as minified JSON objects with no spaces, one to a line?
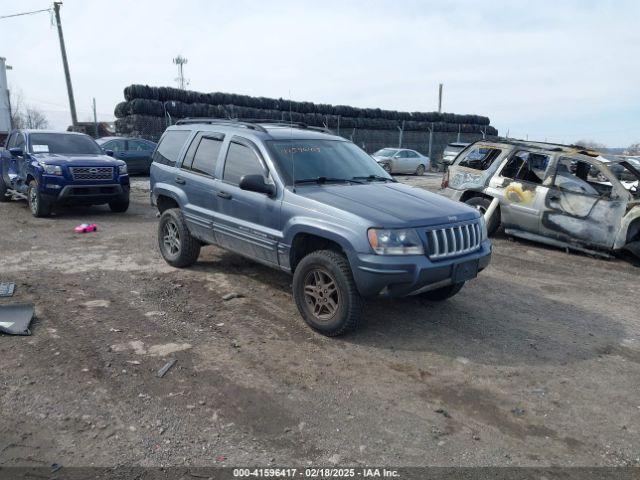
{"x":94,"y":160}
{"x":390,"y":205}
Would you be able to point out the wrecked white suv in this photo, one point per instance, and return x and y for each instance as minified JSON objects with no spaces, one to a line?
{"x":566,"y":196}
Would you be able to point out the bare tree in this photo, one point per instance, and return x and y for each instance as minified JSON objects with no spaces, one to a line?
{"x":34,"y":118}
{"x":634,"y":149}
{"x":26,"y":116}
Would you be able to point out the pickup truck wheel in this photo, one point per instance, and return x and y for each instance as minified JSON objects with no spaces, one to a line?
{"x":442,"y":293}
{"x":3,"y":191}
{"x":40,"y":207}
{"x":119,"y":206}
{"x":482,"y":205}
{"x":326,"y":294}
{"x":177,"y":246}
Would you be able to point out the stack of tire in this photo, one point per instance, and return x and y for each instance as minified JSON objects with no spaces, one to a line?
{"x":147,"y":111}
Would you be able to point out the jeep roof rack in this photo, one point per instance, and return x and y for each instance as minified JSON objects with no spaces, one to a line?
{"x":220,"y":121}
{"x":250,"y":123}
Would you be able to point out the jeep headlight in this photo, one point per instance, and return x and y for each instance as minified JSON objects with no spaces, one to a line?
{"x":122,"y":169}
{"x":395,"y":241}
{"x":52,"y":169}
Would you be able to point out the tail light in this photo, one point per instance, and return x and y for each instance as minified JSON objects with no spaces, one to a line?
{"x":445,"y":180}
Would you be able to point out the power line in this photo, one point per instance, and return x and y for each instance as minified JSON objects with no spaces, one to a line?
{"x":24,"y":13}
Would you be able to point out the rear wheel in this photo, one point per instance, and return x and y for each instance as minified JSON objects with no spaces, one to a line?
{"x":326,"y":294}
{"x":482,"y":205}
{"x":442,"y":293}
{"x":3,"y":191}
{"x":177,"y":246}
{"x":420,"y":170}
{"x":39,"y":206}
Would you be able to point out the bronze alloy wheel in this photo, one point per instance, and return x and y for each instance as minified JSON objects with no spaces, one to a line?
{"x":171,"y":238}
{"x":321,"y":294}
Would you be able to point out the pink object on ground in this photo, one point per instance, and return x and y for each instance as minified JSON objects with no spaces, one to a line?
{"x":86,"y":227}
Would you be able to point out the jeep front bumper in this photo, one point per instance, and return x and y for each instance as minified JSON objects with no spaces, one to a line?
{"x":399,"y":276}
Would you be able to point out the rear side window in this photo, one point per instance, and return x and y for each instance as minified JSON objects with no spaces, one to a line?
{"x":170,"y":146}
{"x":479,"y":158}
{"x":206,"y":156}
{"x":241,"y":161}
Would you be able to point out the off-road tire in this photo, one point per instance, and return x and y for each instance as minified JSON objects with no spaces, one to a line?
{"x":442,"y":293}
{"x":482,"y":204}
{"x":187,"y":250}
{"x":39,"y":206}
{"x":119,"y":206}
{"x":349,"y":306}
{"x":3,"y":191}
{"x":420,"y":170}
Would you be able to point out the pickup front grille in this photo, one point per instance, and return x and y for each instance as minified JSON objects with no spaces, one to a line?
{"x":453,"y":241}
{"x":92,"y":173}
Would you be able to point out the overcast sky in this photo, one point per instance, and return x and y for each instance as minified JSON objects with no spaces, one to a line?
{"x":555,"y":70}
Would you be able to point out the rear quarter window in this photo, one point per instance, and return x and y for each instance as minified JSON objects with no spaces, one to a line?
{"x":170,"y":146}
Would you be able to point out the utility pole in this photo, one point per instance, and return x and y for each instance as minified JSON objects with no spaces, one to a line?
{"x":180,"y":61}
{"x":95,"y":117}
{"x":72,"y":103}
{"x":440,"y":98}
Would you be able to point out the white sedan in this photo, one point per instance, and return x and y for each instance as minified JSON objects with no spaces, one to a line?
{"x":402,"y":160}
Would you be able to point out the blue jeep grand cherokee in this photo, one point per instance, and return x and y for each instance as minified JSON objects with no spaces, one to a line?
{"x":50,"y":168}
{"x":314,"y":205}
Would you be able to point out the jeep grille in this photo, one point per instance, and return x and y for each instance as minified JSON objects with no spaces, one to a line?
{"x":92,"y":173}
{"x":453,"y":241}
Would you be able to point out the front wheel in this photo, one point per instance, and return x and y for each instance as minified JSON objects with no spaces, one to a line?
{"x":420,"y":170}
{"x":39,"y":206}
{"x":442,"y":293}
{"x":177,"y":246}
{"x":326,"y":294}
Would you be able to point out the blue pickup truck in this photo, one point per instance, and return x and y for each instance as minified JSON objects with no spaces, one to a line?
{"x":49,"y":168}
{"x":314,"y":205}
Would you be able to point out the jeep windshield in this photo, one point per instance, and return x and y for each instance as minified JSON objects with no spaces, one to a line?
{"x":324,"y":161}
{"x":63,"y":143}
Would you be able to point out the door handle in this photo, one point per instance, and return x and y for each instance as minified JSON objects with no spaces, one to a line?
{"x":180,"y":180}
{"x":225,"y":195}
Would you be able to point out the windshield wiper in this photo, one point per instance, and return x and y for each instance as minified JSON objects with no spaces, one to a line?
{"x":321,"y":180}
{"x":379,"y":178}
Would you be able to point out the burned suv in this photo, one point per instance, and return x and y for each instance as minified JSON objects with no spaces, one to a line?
{"x":315,"y":205}
{"x":562,"y":195}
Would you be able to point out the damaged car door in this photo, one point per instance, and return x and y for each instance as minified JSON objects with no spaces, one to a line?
{"x":584,"y":203}
{"x":520,"y":187}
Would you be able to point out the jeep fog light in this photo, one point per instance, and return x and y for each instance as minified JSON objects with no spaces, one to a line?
{"x":395,"y":242}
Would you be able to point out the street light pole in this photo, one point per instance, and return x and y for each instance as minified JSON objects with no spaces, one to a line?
{"x":63,"y":51}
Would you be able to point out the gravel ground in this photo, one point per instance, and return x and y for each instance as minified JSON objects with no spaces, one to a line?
{"x":537,"y":362}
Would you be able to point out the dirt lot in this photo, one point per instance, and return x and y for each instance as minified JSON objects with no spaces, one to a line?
{"x":537,"y":362}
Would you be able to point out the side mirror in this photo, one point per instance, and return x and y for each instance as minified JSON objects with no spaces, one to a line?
{"x":109,"y":152}
{"x":257,"y":183}
{"x":16,"y":152}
